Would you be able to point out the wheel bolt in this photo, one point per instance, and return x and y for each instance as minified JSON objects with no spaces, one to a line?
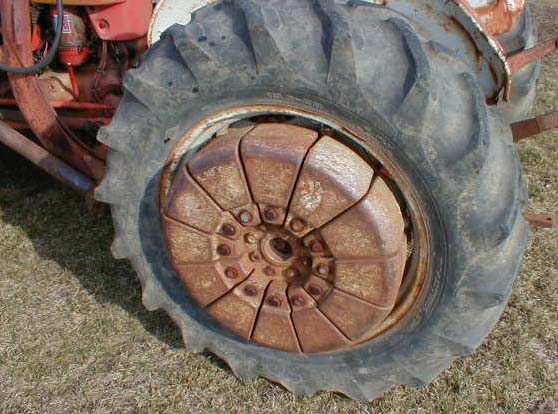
{"x":297,"y":225}
{"x":274,"y":301}
{"x":316,"y":246}
{"x":255,"y":257}
{"x":250,"y":238}
{"x":314,"y":290}
{"x":245,"y":217}
{"x":228,"y":229}
{"x":231,"y":273}
{"x":298,"y":301}
{"x":223,"y":250}
{"x":270,"y":271}
{"x":291,"y":273}
{"x":322,"y":269}
{"x":270,"y":214}
{"x":250,"y":290}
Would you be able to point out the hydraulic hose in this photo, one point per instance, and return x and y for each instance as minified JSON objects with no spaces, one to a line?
{"x":51,"y":54}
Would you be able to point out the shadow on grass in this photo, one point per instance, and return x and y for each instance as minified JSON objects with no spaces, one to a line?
{"x":62,"y":230}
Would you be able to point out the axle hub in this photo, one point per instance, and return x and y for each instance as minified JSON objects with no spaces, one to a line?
{"x":287,"y":237}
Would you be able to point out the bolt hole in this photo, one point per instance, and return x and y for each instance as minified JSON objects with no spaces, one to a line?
{"x":212,"y":43}
{"x":282,"y":247}
{"x":195,"y":90}
{"x":202,"y":38}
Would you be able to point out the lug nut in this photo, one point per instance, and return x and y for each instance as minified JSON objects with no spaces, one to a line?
{"x":250,"y":238}
{"x":270,"y":271}
{"x":322,"y":269}
{"x":223,"y":250}
{"x":274,"y":301}
{"x":298,"y":300}
{"x":255,"y":257}
{"x":231,"y":273}
{"x":316,"y":246}
{"x":228,"y":229}
{"x":291,"y":273}
{"x":250,"y":290}
{"x":270,"y":214}
{"x":245,"y":217}
{"x":297,"y":225}
{"x":314,"y":290}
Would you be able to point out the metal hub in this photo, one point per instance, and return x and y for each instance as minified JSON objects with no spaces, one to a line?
{"x":287,"y":237}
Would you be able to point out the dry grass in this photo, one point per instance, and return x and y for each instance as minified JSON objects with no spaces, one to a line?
{"x":74,"y":336}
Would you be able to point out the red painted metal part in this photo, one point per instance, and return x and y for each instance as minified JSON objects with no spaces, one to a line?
{"x":545,"y":221}
{"x":123,"y":21}
{"x":534,"y":126}
{"x":81,"y":2}
{"x":501,"y":16}
{"x":44,"y":122}
{"x":519,"y":60}
{"x":497,"y":18}
{"x":66,"y":105}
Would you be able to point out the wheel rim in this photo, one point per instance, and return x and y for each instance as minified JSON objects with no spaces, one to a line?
{"x":288,"y":237}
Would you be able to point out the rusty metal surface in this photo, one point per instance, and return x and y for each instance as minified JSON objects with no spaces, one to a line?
{"x":499,"y":16}
{"x":546,"y":221}
{"x":534,"y":126}
{"x":321,"y":269}
{"x":270,"y":170}
{"x":219,"y":170}
{"x":42,"y":119}
{"x":519,"y":60}
{"x":41,"y":158}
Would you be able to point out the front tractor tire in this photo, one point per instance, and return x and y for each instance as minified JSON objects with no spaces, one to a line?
{"x":414,"y":173}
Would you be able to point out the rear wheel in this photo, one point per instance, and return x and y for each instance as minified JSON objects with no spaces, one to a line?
{"x":316,"y":195}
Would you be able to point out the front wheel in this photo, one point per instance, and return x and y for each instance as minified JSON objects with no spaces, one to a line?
{"x":316,"y":195}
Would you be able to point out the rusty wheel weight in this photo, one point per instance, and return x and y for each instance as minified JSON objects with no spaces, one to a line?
{"x":287,"y":237}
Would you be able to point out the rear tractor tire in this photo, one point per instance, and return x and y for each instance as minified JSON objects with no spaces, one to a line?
{"x":316,"y":195}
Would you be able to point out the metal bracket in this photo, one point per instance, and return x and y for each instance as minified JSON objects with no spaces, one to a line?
{"x":534,"y":126}
{"x":519,"y":60}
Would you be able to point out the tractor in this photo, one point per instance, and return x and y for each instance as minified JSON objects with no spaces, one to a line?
{"x":326,"y":194}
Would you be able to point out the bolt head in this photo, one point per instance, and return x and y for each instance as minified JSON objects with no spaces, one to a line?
{"x":274,"y":301}
{"x":316,"y":246}
{"x":297,"y":225}
{"x":270,"y":214}
{"x":298,"y":301}
{"x":250,"y":238}
{"x":228,"y":229}
{"x":103,"y":24}
{"x":270,"y":271}
{"x":322,"y":269}
{"x":250,"y":290}
{"x":223,"y":250}
{"x":314,"y":290}
{"x":231,"y":273}
{"x":245,"y":217}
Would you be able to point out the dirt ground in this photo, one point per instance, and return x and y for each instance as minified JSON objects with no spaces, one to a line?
{"x":74,"y":336}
